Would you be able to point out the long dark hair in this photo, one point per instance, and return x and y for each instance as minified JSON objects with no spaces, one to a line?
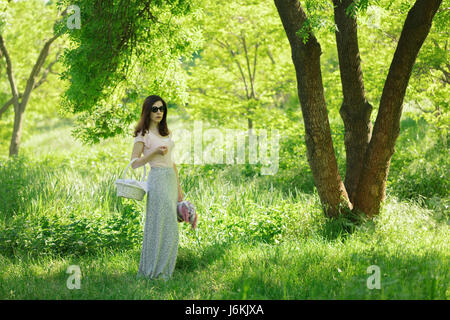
{"x":144,"y":122}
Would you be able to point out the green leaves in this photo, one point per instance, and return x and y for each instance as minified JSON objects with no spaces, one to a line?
{"x":243,"y":69}
{"x":357,"y":6}
{"x":3,"y":15}
{"x":59,"y":235}
{"x":319,"y":19}
{"x":121,"y":47}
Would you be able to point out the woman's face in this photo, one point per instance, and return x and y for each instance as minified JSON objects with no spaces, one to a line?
{"x":157,"y":116}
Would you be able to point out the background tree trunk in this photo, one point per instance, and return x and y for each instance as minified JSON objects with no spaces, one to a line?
{"x":320,"y":151}
{"x":13,"y":148}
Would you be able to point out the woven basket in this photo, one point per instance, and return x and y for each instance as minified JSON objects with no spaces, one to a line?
{"x":132,"y":189}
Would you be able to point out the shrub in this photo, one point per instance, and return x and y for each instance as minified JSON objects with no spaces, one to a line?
{"x":71,"y":235}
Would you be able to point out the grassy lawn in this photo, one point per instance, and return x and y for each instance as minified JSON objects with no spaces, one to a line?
{"x":258,"y":237}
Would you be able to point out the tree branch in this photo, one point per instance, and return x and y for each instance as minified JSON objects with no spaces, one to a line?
{"x":7,"y":104}
{"x":226,"y":45}
{"x":242,"y":37}
{"x":9,"y":71}
{"x":47,"y":71}
{"x":269,"y":53}
{"x":372,"y":184}
{"x":35,"y":71}
{"x":254,"y":62}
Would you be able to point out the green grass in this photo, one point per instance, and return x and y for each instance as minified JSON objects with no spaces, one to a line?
{"x":259,"y":237}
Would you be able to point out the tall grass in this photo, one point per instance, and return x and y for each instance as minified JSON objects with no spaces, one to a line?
{"x":258,"y":237}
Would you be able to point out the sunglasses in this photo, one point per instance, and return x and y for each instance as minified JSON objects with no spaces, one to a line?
{"x":155,"y":109}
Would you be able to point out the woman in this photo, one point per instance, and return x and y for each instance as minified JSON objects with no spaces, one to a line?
{"x":153,"y":139}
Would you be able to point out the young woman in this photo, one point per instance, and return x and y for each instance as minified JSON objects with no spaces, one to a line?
{"x":154,"y":140}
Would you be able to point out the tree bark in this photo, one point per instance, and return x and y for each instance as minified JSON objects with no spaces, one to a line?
{"x":320,"y":151}
{"x":355,"y":110}
{"x":371,"y":187}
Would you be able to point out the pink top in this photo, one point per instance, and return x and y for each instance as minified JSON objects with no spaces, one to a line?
{"x":151,"y":141}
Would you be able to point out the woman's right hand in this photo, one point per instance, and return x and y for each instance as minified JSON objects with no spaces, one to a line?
{"x":162,"y":150}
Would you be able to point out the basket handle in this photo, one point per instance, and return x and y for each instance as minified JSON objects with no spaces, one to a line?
{"x":133,"y":160}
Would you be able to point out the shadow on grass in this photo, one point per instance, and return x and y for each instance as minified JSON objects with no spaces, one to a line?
{"x":100,"y":280}
{"x":343,"y":226}
{"x":192,"y":259}
{"x":279,"y":274}
{"x":406,"y":276}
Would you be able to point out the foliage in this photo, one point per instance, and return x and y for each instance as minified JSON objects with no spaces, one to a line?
{"x":379,"y":26}
{"x":26,"y":27}
{"x":3,"y":14}
{"x":319,"y":19}
{"x":72,"y":235}
{"x":118,"y":43}
{"x":430,"y":82}
{"x":243,"y":69}
{"x":426,"y":96}
{"x":419,"y":170}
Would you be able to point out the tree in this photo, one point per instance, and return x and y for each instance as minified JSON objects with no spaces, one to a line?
{"x":242,"y":70}
{"x":20,"y":99}
{"x":368,"y":150}
{"x":124,"y":51}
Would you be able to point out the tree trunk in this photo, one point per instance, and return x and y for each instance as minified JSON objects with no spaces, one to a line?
{"x":372,"y":185}
{"x":355,"y":110}
{"x":20,"y":106}
{"x":320,"y":151}
{"x":372,"y":166}
{"x":17,"y":132}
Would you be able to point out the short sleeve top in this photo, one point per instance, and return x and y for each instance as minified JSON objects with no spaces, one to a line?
{"x":151,"y":141}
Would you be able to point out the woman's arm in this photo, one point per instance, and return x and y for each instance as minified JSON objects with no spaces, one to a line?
{"x":137,"y":150}
{"x":180,"y":192}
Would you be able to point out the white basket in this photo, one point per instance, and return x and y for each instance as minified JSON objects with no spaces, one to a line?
{"x":132,"y":189}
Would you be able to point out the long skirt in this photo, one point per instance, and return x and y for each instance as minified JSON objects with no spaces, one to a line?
{"x":161,"y":233}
